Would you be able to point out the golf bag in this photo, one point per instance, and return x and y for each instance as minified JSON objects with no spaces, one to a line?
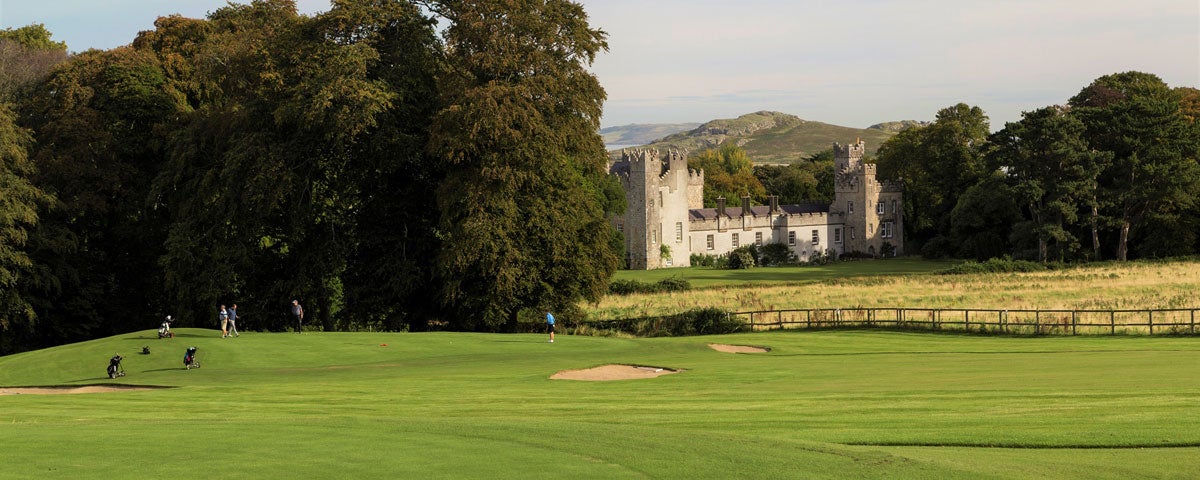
{"x":164,"y":331}
{"x":189,"y":359}
{"x":114,"y":367}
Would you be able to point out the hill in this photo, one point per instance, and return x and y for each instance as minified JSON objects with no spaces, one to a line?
{"x":641,"y":133}
{"x":774,"y":137}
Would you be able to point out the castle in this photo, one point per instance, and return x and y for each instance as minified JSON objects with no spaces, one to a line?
{"x":666,"y":222}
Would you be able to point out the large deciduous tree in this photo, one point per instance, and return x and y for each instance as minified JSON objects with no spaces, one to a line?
{"x":20,"y":201}
{"x":1153,"y":176}
{"x":522,"y":207}
{"x":728,"y":173}
{"x":936,"y":163}
{"x":99,"y":122}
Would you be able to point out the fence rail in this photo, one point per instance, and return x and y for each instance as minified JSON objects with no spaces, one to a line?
{"x":1172,"y":321}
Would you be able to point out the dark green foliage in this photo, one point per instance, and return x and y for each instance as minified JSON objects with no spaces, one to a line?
{"x":997,"y":265}
{"x":627,"y":287}
{"x":742,"y":257}
{"x":805,"y":181}
{"x":697,"y":321}
{"x":773,"y":254}
{"x":981,"y":221}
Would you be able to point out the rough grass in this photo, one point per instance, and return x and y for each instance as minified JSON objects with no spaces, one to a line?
{"x":819,"y":405}
{"x":1132,"y":285}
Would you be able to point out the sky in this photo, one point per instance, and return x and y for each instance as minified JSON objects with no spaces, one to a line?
{"x":847,"y":62}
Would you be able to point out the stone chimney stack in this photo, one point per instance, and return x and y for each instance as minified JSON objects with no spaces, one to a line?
{"x":746,"y":206}
{"x":720,"y":206}
{"x":774,"y":204}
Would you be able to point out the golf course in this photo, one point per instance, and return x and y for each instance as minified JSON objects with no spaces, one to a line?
{"x":823,"y":404}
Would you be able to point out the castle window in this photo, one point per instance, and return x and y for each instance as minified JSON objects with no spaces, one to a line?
{"x":837,"y":235}
{"x":852,"y":236}
{"x":850,"y":208}
{"x":660,"y":198}
{"x":870,"y":229}
{"x":736,"y":242}
{"x":885,"y":229}
{"x":893,"y":206}
{"x":654,"y":237}
{"x":710,"y":242}
{"x":816,"y":237}
{"x":758,"y":238}
{"x":879,"y":208}
{"x":678,"y":232}
{"x":792,"y":238}
{"x":621,"y":227}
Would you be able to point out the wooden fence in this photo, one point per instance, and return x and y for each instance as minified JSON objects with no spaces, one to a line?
{"x":1174,"y":321}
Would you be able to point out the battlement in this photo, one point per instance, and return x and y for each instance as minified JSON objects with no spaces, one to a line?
{"x":853,"y":151}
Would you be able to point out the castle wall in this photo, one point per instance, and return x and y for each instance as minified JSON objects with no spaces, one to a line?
{"x":665,"y":208}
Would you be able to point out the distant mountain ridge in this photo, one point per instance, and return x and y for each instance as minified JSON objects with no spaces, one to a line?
{"x":642,"y":133}
{"x":775,"y":137}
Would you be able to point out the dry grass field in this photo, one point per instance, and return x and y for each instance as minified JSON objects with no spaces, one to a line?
{"x":1133,"y":285}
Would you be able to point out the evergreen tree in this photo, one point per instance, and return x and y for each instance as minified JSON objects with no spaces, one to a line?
{"x":1138,"y":120}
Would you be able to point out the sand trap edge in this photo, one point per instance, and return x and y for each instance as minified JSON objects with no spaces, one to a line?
{"x":721,"y":347}
{"x":613,"y":372}
{"x":79,"y":389}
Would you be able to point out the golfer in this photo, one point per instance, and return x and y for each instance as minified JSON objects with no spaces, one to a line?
{"x":550,"y":325}
{"x":298,"y":314}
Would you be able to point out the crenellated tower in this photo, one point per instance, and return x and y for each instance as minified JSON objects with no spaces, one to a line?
{"x":659,"y":190}
{"x":870,"y":209}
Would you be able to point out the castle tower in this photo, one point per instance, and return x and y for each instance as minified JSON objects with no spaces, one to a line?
{"x":871,"y":210}
{"x":658,"y":190}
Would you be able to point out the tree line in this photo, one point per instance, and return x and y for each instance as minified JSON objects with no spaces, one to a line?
{"x":394,"y":165}
{"x":1112,"y":174}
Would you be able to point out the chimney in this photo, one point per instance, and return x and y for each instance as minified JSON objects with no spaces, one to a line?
{"x":720,"y":206}
{"x":774,"y":203}
{"x":745,"y":205}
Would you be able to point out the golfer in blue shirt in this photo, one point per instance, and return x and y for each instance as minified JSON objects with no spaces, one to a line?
{"x":550,"y":325}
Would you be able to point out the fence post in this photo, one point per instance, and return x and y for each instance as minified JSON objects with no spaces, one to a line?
{"x":1193,"y":322}
{"x":779,"y":318}
{"x":1074,"y":321}
{"x":808,"y":318}
{"x":1112,"y":322}
{"x":1150,"y":320}
{"x":967,"y":320}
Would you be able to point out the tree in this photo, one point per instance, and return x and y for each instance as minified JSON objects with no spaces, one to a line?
{"x":99,"y":121}
{"x":1138,"y":120}
{"x":20,"y":201}
{"x":1052,"y":173}
{"x":983,"y":218}
{"x":935,"y":163}
{"x":522,"y":206}
{"x":808,"y":180}
{"x":26,"y":56}
{"x":728,"y":173}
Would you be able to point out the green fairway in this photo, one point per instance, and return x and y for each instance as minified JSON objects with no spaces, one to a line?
{"x":830,"y":404}
{"x":709,"y":277}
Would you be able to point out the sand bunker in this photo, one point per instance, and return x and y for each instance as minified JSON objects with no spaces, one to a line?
{"x":612,"y":372}
{"x":71,"y":390}
{"x":737,"y":348}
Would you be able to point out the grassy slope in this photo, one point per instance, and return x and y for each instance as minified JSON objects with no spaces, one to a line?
{"x":820,"y":405}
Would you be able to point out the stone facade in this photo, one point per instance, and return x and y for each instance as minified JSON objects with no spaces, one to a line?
{"x":665,"y":221}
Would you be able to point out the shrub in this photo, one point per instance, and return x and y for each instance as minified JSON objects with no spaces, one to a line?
{"x":741,"y":258}
{"x":775,"y":254}
{"x":996,"y":265}
{"x":627,"y":287}
{"x":703,"y":260}
{"x":698,"y":321}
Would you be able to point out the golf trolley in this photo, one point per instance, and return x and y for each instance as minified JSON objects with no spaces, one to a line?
{"x":189,"y":359}
{"x":164,"y":331}
{"x":114,"y":367}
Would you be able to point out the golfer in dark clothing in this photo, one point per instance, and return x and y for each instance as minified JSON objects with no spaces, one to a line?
{"x":298,"y":314}
{"x":233,"y":321}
